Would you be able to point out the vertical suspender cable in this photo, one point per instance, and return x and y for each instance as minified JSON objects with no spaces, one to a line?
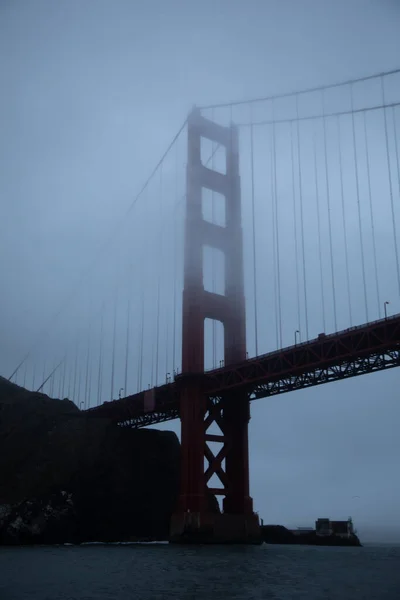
{"x":100,"y":362}
{"x":301,"y":216}
{"x":74,"y":391}
{"x":346,"y":251}
{"x":253,"y":211}
{"x":79,"y":387}
{"x":372,"y":216}
{"x":214,"y":323}
{"x":87,"y":370}
{"x":328,"y":201}
{"x":113,"y":344}
{"x":396,"y":145}
{"x":295,"y":229}
{"x":152,"y":365}
{"x":52,"y":383}
{"x":174,"y":258}
{"x":274,"y":239}
{"x":60,"y":382}
{"x":33,"y":375}
{"x":390,"y":185}
{"x":25,"y":371}
{"x":319,"y":233}
{"x":43,"y":377}
{"x":128,"y":326}
{"x":62,"y":395}
{"x":275,"y":201}
{"x":69,"y":388}
{"x":158,"y":258}
{"x":358,"y":203}
{"x":166,"y":348}
{"x":140,"y":362}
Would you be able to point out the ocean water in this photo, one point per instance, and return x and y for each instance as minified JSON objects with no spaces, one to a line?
{"x":161,"y":571}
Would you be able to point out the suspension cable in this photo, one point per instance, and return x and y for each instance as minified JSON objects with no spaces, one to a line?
{"x":295,"y":230}
{"x":75,"y":370}
{"x":50,"y":375}
{"x":214,"y":323}
{"x":166,"y":350}
{"x":274,"y":242}
{"x":103,"y":247}
{"x":278,"y":269}
{"x":372,"y":217}
{"x":140,"y":361}
{"x":113,"y":344}
{"x":302,"y":220}
{"x":319,"y":233}
{"x":52,"y":383}
{"x":128,"y":332}
{"x":79,"y":386}
{"x":159,"y":282}
{"x":100,"y":362}
{"x":317,"y":117}
{"x":344,"y":220}
{"x":358,"y":205}
{"x":396,"y":145}
{"x":175,"y":260}
{"x":33,"y":376}
{"x":62,"y":395}
{"x":301,"y":92}
{"x":253,"y":211}
{"x":87,"y":369}
{"x":69,"y":388}
{"x":328,"y":200}
{"x":25,"y":372}
{"x":390,"y":185}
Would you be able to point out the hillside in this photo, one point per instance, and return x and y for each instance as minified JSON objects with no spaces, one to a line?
{"x":67,"y":478}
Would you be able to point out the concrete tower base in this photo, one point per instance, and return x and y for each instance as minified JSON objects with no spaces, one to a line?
{"x":214,"y":528}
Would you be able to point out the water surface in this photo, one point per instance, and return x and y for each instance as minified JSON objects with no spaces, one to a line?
{"x":155,"y":572}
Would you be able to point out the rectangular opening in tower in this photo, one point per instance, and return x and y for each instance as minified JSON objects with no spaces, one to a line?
{"x":214,"y":270}
{"x":213,"y":206}
{"x":214,"y":344}
{"x":213,"y":155}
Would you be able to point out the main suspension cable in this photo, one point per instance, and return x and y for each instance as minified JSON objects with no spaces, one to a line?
{"x":301,"y":92}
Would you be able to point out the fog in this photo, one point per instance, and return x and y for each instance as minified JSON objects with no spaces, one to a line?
{"x":93,"y":93}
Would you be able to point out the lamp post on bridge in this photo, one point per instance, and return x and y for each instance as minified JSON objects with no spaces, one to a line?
{"x":119,"y":393}
{"x":385,"y":307}
{"x":296,"y":333}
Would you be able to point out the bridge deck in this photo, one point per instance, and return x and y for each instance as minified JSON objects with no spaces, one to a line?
{"x":359,"y":350}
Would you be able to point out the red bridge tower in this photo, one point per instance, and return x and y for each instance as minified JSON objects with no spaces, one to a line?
{"x":195,"y":519}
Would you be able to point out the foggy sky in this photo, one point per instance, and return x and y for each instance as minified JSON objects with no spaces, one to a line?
{"x":92,"y":93}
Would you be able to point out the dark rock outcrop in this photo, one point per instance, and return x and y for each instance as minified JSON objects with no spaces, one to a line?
{"x":65,"y":477}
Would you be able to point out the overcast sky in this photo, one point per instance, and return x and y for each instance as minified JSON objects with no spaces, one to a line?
{"x":91,"y":95}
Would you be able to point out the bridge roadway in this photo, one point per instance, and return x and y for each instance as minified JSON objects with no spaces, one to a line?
{"x":356,"y":351}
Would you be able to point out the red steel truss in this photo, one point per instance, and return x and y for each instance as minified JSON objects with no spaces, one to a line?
{"x":357,"y":351}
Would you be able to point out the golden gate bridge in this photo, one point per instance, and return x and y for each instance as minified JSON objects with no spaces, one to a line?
{"x":259,"y":257}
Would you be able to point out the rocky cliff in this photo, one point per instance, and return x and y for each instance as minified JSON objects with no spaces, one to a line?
{"x":67,"y":478}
